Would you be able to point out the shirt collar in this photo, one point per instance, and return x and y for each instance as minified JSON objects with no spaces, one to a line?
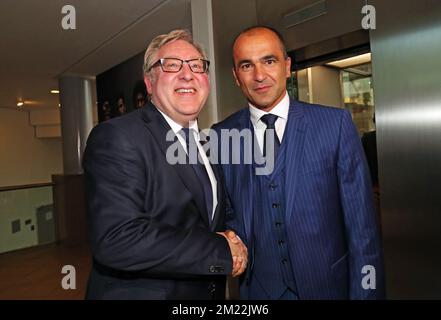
{"x":281,"y":110}
{"x":176,"y":127}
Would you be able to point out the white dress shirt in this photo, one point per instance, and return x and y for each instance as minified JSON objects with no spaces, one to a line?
{"x":281,"y":110}
{"x":193,"y":126}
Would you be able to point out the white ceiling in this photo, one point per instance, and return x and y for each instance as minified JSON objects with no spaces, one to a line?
{"x":35,"y":49}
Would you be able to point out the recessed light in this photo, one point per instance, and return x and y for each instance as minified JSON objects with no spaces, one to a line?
{"x":55,"y":91}
{"x":20,"y":104}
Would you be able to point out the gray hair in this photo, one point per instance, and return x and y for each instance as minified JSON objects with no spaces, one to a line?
{"x":162,"y":40}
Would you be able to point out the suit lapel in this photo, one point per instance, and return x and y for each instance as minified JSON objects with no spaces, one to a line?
{"x":295,"y":134}
{"x":246,"y":181}
{"x":158,"y":127}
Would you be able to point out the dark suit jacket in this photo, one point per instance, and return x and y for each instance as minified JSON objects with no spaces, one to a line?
{"x":330,"y":218}
{"x":148,"y":224}
{"x":369,"y":141}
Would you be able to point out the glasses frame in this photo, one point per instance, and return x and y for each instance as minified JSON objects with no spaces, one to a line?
{"x":160,"y":62}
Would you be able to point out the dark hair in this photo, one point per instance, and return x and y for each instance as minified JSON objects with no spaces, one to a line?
{"x":139,"y":88}
{"x":277,"y":33}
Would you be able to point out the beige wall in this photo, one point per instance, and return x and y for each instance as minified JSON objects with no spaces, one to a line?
{"x":320,"y":85}
{"x":22,"y":205}
{"x":25,"y":159}
{"x":325,"y":86}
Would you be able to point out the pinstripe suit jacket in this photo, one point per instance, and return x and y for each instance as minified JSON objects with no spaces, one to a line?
{"x":330,"y":215}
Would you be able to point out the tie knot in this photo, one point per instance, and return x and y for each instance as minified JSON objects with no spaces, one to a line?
{"x":184,"y":132}
{"x":188,"y":135}
{"x":269,"y":119}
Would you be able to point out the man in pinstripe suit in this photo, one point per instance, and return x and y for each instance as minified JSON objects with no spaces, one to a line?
{"x":309,"y":225}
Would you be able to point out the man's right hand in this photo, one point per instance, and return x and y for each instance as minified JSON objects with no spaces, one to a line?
{"x":239,"y":252}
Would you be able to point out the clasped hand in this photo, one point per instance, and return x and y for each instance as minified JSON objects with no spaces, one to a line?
{"x":239,"y":252}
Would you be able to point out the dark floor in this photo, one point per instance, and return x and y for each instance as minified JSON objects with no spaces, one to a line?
{"x":412,"y":271}
{"x":35,"y":273}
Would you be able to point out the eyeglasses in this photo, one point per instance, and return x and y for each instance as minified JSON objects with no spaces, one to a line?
{"x":175,"y":65}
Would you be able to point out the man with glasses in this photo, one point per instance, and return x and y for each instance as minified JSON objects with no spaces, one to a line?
{"x":156,"y":228}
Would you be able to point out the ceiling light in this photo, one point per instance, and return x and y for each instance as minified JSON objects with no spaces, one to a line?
{"x":20,"y":104}
{"x":352,"y":61}
{"x":55,"y":91}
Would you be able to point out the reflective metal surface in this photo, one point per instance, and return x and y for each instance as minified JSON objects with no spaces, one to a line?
{"x":406,"y":61}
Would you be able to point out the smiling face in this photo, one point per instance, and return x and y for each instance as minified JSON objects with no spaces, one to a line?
{"x":260,"y":67}
{"x":179,"y":95}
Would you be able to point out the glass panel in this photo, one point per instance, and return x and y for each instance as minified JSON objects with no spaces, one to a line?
{"x":26,"y":218}
{"x":292,"y":86}
{"x":358,"y":96}
{"x":343,"y":83}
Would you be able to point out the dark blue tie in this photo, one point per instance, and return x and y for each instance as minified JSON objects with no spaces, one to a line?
{"x":270,"y":120}
{"x":200,"y":170}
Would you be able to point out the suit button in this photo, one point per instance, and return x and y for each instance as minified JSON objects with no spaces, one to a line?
{"x":212,"y":288}
{"x":284,"y":261}
{"x":278,"y":224}
{"x":276,"y":205}
{"x":219,"y":269}
{"x":273,"y":186}
{"x":216,"y":269}
{"x":281,"y":242}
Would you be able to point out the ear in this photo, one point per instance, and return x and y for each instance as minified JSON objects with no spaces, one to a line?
{"x":235,"y":77}
{"x":288,"y":67}
{"x":148,"y":84}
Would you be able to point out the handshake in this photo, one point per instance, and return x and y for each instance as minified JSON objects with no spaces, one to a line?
{"x":239,"y":252}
